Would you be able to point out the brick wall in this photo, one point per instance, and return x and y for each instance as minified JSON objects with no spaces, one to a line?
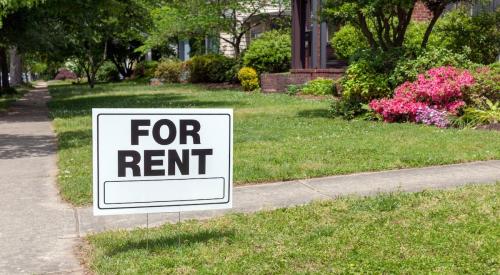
{"x":278,"y":83}
{"x":421,"y":13}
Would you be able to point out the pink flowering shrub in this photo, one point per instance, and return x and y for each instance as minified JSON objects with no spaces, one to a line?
{"x":64,"y":74}
{"x":429,"y":116}
{"x":429,"y":99}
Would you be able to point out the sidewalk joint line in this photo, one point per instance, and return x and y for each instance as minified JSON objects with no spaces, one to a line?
{"x":303,"y":182}
{"x":77,"y":222}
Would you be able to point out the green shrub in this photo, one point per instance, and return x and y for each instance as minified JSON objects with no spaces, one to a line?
{"x":108,"y":73}
{"x":414,"y":36}
{"x":479,"y":116}
{"x":8,"y":91}
{"x":486,"y":87}
{"x":347,"y":108}
{"x":248,"y":78}
{"x":477,"y":36}
{"x":362,"y":82}
{"x":293,"y":89}
{"x":319,"y":86}
{"x":145,"y":69}
{"x":211,"y":68}
{"x":150,"y":68}
{"x":347,"y":41}
{"x":169,"y":71}
{"x":407,"y":69}
{"x":272,"y":53}
{"x":365,"y":79}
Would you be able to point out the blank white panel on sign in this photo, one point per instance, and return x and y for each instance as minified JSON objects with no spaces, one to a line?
{"x":161,"y":160}
{"x":160,"y":191}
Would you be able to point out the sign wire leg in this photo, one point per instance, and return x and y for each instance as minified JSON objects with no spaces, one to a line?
{"x":147,"y":232}
{"x":179,"y":232}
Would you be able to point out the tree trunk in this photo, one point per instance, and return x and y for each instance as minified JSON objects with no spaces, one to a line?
{"x":366,"y":30}
{"x":428,"y":31}
{"x":236,"y":47}
{"x":16,"y":68}
{"x":123,"y":70}
{"x":4,"y":67}
{"x":91,"y":80}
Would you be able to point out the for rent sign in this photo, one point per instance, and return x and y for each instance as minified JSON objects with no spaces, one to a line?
{"x":161,"y":160}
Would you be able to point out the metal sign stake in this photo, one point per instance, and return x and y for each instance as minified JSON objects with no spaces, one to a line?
{"x":147,"y":232}
{"x":179,"y":233}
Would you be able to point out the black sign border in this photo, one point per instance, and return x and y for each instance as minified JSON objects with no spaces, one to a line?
{"x":164,"y":206}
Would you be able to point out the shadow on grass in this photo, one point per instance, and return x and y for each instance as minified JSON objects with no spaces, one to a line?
{"x":186,"y":239}
{"x":325,"y":113}
{"x":74,"y":139}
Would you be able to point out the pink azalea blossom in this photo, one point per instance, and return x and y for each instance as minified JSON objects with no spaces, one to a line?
{"x":438,"y":92}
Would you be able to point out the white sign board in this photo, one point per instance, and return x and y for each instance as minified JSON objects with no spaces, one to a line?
{"x":162,"y":160}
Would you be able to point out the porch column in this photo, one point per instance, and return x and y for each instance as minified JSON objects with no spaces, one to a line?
{"x":314,"y":38}
{"x":298,"y":34}
{"x":323,"y":40}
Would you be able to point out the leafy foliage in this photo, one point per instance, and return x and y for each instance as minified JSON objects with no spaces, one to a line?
{"x":200,"y":18}
{"x":145,"y":69}
{"x":407,"y":69}
{"x":293,"y":89}
{"x":169,"y":71}
{"x":486,"y":87}
{"x":10,"y":6}
{"x":366,"y":77}
{"x":346,"y":107}
{"x":384,"y":23}
{"x":272,"y":53}
{"x":414,"y":35}
{"x":347,"y":41}
{"x":108,"y":73}
{"x":248,"y":78}
{"x":477,"y":36}
{"x":211,"y":69}
{"x":475,"y":116}
{"x":319,"y":86}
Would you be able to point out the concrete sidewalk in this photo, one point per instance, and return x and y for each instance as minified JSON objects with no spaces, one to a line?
{"x":37,"y":230}
{"x":283,"y":194}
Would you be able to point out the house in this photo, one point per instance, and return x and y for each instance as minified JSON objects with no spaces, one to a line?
{"x":257,"y":22}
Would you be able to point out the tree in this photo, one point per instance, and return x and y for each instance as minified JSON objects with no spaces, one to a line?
{"x":185,"y":19}
{"x":128,"y":34}
{"x":383,"y":22}
{"x":437,"y":8}
{"x":7,"y":7}
{"x":237,"y":18}
{"x":97,"y":30}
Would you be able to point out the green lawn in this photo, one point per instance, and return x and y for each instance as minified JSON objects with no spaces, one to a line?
{"x":446,"y":232}
{"x":7,"y":99}
{"x":277,"y":137}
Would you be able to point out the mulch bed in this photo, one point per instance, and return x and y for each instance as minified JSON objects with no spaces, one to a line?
{"x":490,"y":127}
{"x":221,"y":86}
